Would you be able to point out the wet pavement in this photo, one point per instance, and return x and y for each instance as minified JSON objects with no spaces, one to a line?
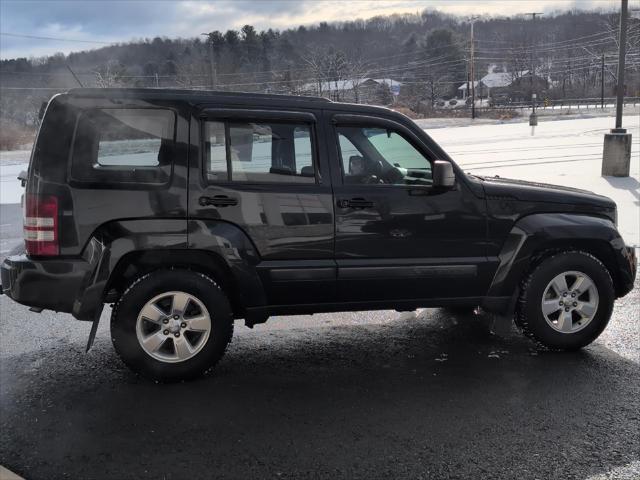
{"x":363,"y":395}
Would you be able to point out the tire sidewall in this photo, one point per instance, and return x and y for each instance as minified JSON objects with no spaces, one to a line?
{"x":125,"y":315}
{"x":534,"y":320}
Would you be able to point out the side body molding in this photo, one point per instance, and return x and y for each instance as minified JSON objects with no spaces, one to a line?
{"x":535,"y":233}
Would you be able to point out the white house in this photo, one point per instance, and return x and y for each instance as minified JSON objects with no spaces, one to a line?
{"x":491,"y":81}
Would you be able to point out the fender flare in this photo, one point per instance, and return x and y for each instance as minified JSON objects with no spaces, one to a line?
{"x":536,"y":233}
{"x":113,"y":242}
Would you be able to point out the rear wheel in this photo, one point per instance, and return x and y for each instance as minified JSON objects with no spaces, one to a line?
{"x":172,"y":325}
{"x":566,"y":301}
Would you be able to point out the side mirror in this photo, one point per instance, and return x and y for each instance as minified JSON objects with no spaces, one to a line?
{"x":442,"y":173}
{"x":22,"y":176}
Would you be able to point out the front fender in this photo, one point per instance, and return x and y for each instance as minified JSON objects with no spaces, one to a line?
{"x":536,"y":233}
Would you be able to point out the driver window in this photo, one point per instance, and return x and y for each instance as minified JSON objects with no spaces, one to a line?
{"x":381,"y":156}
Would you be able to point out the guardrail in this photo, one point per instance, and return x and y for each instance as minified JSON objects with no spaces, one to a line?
{"x":578,"y":103}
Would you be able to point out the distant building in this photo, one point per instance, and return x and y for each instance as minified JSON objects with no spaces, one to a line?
{"x":493,"y":84}
{"x":377,"y":91}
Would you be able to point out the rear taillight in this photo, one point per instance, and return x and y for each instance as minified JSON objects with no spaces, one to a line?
{"x":41,"y":225}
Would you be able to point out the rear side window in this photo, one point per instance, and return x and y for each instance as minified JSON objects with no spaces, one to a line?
{"x":124,"y":146}
{"x":258,"y":152}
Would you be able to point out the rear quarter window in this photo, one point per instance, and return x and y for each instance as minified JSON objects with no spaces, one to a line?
{"x":130,"y":146}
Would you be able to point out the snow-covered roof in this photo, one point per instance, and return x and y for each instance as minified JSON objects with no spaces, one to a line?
{"x":342,"y":85}
{"x":496,"y":79}
{"x":387,"y":81}
{"x":501,"y":79}
{"x":464,"y":85}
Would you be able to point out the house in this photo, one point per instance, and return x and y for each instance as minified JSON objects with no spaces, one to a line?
{"x":377,"y":91}
{"x":478,"y":86}
{"x":497,"y":83}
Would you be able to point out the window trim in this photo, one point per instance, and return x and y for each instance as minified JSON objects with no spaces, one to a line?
{"x":114,"y":184}
{"x":228,"y":116}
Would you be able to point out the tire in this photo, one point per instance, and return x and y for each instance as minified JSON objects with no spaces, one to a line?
{"x":563,"y":329}
{"x":165,"y":347}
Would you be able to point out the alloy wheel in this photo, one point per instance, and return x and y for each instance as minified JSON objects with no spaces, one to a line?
{"x":570,"y":302}
{"x":173,"y":327}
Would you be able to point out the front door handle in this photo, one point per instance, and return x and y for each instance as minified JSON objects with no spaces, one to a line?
{"x":218,"y":201}
{"x":355,"y":203}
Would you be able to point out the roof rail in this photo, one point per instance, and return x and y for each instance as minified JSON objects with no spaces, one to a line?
{"x":186,"y":92}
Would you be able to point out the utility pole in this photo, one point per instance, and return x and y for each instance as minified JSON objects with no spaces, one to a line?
{"x":622,"y":50}
{"x":533,"y":118}
{"x":616,"y":157}
{"x":466,"y":96}
{"x":212,"y":61}
{"x":602,"y":82}
{"x":74,"y":76}
{"x":472,"y":71}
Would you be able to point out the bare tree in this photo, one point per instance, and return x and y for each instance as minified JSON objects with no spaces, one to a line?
{"x":358,"y":72}
{"x":111,"y":74}
{"x":327,"y":65}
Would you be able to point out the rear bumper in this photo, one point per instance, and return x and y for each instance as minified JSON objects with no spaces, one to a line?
{"x":49,"y":284}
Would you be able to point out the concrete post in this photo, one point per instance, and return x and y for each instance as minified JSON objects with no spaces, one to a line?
{"x":616,"y":157}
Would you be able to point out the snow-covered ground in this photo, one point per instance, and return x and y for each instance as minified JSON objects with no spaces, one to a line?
{"x":11,"y":164}
{"x":563,"y":152}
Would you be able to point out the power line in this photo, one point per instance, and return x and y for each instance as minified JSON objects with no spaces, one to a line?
{"x":36,"y":37}
{"x":550,"y":44}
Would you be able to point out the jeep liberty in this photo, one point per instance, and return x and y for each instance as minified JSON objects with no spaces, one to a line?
{"x":187,"y":210}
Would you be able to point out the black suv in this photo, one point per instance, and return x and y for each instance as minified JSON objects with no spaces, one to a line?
{"x":187,"y":210}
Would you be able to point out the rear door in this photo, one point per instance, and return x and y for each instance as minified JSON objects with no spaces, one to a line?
{"x":398,"y":238}
{"x":265,"y":172}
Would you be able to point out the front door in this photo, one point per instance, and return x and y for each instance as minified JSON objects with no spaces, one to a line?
{"x":398,"y":237}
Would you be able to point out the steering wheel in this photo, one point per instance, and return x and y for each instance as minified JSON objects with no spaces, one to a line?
{"x":372,"y":179}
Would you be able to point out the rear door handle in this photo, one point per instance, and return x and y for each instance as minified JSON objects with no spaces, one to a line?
{"x":355,"y":203}
{"x":218,"y":201}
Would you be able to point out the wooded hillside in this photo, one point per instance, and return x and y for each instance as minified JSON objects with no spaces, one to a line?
{"x":427,"y":53}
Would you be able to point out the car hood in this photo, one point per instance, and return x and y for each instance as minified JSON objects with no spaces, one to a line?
{"x":543,"y":192}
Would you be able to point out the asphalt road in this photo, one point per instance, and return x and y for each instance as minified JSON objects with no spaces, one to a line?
{"x":358,"y":395}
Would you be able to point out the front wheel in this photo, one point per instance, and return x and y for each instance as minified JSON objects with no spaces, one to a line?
{"x":172,"y":325}
{"x":566,"y":301}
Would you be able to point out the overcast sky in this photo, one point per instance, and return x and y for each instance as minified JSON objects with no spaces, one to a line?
{"x":124,"y":20}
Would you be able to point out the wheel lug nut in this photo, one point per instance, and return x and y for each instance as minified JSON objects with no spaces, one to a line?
{"x":564,"y":294}
{"x":166,"y":332}
{"x":166,"y":320}
{"x":177,"y":334}
{"x":561,"y":303}
{"x":183,"y":325}
{"x":575,"y":304}
{"x":176,"y":317}
{"x":573,"y":295}
{"x":566,"y":309}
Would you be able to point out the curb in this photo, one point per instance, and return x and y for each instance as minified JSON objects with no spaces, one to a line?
{"x":6,"y":474}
